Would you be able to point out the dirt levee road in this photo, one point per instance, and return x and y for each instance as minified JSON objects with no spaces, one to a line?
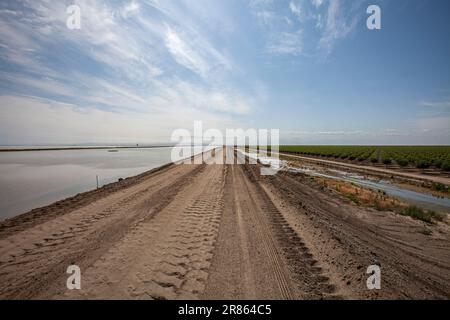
{"x":218,"y":232}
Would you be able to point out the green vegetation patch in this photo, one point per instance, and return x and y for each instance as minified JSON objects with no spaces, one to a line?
{"x":421,"y":157}
{"x":423,"y":215}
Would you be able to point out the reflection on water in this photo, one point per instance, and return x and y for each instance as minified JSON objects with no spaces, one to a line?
{"x":31,"y":179}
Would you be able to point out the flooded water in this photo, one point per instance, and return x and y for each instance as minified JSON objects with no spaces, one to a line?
{"x":422,"y":200}
{"x":31,"y":179}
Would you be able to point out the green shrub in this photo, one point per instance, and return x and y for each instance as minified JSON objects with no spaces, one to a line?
{"x":440,"y":187}
{"x":437,"y":163}
{"x":445,"y":166}
{"x":353,"y":198}
{"x":402,"y":162}
{"x":420,"y":214}
{"x":423,"y":164}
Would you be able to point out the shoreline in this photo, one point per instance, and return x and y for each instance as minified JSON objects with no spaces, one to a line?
{"x":79,"y":148}
{"x":35,"y":215}
{"x":99,"y":192}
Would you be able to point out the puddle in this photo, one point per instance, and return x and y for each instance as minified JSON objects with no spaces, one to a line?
{"x":422,"y":200}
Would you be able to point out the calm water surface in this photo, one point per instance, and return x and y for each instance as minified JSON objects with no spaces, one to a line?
{"x":31,"y":179}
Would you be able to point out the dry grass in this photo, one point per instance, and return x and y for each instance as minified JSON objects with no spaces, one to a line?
{"x":378,"y":200}
{"x":364,"y":197}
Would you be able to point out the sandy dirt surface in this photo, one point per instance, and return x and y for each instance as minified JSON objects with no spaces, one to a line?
{"x":219,"y":232}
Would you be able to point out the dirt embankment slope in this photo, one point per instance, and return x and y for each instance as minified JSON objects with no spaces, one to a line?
{"x":219,"y":232}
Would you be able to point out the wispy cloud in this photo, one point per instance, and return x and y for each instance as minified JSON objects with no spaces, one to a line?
{"x":295,"y":8}
{"x":287,"y":43}
{"x":200,"y":61}
{"x":317,"y":3}
{"x":337,"y":25}
{"x":139,"y":68}
{"x":332,"y":20}
{"x":131,"y":60}
{"x":184,"y":54}
{"x":283,"y":35}
{"x":435,"y":104}
{"x":34,"y":120}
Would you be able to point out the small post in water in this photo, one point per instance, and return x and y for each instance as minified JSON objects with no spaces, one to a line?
{"x":96,"y":177}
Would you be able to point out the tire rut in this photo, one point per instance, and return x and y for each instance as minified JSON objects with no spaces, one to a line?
{"x":365,"y":243}
{"x":305,"y":270}
{"x":167,"y":257}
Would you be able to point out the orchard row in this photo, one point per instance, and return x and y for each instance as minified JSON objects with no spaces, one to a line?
{"x":421,"y":157}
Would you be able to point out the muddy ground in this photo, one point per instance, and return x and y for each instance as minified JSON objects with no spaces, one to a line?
{"x":219,"y":232}
{"x":411,"y":176}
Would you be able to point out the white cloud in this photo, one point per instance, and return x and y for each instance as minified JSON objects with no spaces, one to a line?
{"x":223,"y":100}
{"x":295,"y":8}
{"x":104,"y":36}
{"x":33,"y":120}
{"x":44,"y":84}
{"x":439,"y":127}
{"x":282,"y":35}
{"x":337,"y":25}
{"x":134,"y":76}
{"x":287,"y":43}
{"x":335,"y":19}
{"x":184,"y":54}
{"x":266,"y":17}
{"x":435,"y":104}
{"x":131,"y":9}
{"x":196,"y":54}
{"x":258,"y":3}
{"x":317,"y":3}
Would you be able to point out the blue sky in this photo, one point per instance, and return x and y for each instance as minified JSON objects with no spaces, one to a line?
{"x":136,"y":70}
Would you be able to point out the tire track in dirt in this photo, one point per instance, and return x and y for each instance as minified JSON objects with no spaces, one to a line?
{"x":266,"y":237}
{"x":258,"y":254}
{"x":167,"y":257}
{"x":408,"y":270}
{"x":305,"y":271}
